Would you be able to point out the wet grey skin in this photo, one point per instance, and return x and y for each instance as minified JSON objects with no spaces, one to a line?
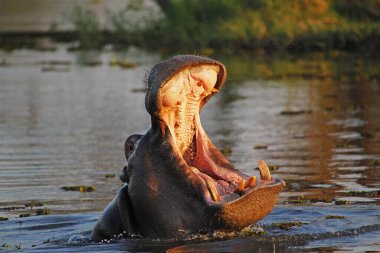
{"x":177,"y":181}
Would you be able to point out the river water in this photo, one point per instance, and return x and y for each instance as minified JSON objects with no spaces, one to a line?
{"x":64,"y":117}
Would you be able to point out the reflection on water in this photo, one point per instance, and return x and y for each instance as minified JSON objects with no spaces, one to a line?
{"x":62,"y":128}
{"x":66,"y":128}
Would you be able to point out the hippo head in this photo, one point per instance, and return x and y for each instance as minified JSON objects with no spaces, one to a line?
{"x":178,"y":181}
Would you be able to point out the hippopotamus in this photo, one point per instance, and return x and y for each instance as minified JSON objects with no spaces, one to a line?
{"x":177,"y":181}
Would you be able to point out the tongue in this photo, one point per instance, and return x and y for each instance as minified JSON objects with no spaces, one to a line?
{"x":264,"y":171}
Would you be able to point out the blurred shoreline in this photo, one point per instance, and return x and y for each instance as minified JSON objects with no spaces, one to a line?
{"x":202,"y":27}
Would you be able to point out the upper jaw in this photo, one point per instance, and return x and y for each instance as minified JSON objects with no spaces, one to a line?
{"x":181,"y":99}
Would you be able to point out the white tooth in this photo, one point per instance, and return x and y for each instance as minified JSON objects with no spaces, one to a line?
{"x":213,"y":191}
{"x":264,"y":171}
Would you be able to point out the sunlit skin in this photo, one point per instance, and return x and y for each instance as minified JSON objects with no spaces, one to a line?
{"x":177,"y":181}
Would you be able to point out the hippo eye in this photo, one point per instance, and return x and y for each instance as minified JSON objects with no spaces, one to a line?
{"x":130,"y":147}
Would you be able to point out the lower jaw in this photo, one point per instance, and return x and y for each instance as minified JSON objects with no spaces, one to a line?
{"x":221,"y":188}
{"x":224,"y":190}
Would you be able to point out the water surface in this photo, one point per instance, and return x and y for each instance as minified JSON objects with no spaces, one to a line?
{"x":64,"y":118}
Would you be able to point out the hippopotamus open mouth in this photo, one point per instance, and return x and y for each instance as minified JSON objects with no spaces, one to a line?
{"x":178,"y":181}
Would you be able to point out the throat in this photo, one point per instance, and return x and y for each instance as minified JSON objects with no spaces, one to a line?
{"x":191,"y":152}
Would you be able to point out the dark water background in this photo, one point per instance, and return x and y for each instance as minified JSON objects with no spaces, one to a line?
{"x":64,"y":117}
